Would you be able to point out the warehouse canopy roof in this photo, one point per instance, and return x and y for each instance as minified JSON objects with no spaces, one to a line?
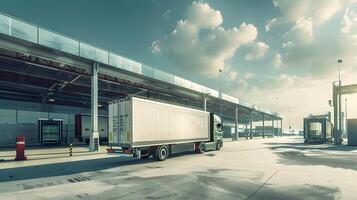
{"x":33,"y":34}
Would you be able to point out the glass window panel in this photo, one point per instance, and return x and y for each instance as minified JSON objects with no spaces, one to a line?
{"x":87,"y":51}
{"x":4,"y":24}
{"x":206,"y":90}
{"x":135,"y":67}
{"x":163,"y":76}
{"x":182,"y":82}
{"x":125,"y":64}
{"x":258,"y":108}
{"x":101,"y":56}
{"x":214,"y":93}
{"x":246,"y":104}
{"x":23,"y":31}
{"x":224,"y":97}
{"x":268,"y":112}
{"x":59,"y":42}
{"x":229,"y":98}
{"x":147,"y":71}
{"x":114,"y":60}
{"x":197,"y":87}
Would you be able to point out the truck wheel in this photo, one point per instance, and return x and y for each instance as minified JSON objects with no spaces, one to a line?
{"x":219,"y":145}
{"x":162,"y":152}
{"x":201,"y":148}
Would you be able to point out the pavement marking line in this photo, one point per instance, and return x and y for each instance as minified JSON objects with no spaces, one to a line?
{"x":250,"y":196}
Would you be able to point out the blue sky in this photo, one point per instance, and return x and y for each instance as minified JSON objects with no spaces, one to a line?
{"x":280,"y":54}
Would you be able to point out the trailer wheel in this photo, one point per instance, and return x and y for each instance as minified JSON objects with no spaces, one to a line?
{"x":219,"y":145}
{"x":201,"y":147}
{"x":162,"y":153}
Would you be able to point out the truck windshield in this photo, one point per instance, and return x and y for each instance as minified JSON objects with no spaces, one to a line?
{"x":219,"y":127}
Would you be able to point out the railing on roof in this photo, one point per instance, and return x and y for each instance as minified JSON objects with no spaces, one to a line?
{"x":36,"y":34}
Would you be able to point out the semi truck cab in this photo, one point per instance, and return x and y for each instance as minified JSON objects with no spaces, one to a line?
{"x":216,"y":129}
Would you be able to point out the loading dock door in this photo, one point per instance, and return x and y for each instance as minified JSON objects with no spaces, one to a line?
{"x":50,"y":130}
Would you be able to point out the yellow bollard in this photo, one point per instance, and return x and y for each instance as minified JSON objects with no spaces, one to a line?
{"x":70,"y":149}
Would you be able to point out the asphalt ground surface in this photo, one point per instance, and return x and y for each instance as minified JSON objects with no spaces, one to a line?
{"x":275,"y":168}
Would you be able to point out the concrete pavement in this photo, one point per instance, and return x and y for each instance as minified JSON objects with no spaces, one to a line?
{"x":275,"y":168}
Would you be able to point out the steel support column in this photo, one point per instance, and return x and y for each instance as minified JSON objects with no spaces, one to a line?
{"x":272,"y":125}
{"x":337,"y":110}
{"x":94,"y":136}
{"x":251,"y":125}
{"x":339,"y":113}
{"x":236,"y":136}
{"x":281,"y":126}
{"x":263,"y":125}
{"x":246,"y":131}
{"x":204,"y":103}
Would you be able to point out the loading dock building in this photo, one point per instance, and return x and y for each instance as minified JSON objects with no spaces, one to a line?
{"x":44,"y":74}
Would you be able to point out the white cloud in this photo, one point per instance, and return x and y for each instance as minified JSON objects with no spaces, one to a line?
{"x":257,"y":50}
{"x":277,"y":62}
{"x":326,"y":9}
{"x":287,"y":45}
{"x":166,"y":15}
{"x":349,"y":25}
{"x":319,"y":58}
{"x":292,"y":91}
{"x":203,"y":16}
{"x":286,"y":94}
{"x":270,"y":24}
{"x":309,"y":50}
{"x":318,"y":10}
{"x":199,"y":44}
{"x":301,"y":32}
{"x":249,"y":75}
{"x":155,"y":48}
{"x":314,"y":54}
{"x":232,"y":75}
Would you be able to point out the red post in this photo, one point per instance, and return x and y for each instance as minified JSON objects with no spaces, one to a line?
{"x":20,"y":148}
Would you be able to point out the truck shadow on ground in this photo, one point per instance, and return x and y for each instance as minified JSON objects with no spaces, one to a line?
{"x":315,"y":154}
{"x":74,"y":167}
{"x":66,"y":168}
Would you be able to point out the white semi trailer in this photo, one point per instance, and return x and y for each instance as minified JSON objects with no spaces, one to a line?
{"x":144,"y":128}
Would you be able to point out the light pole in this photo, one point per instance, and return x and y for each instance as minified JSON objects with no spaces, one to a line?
{"x":346,"y":122}
{"x":205,"y":95}
{"x":220,"y":94}
{"x":289,"y":120}
{"x":277,"y":104}
{"x":339,"y":61}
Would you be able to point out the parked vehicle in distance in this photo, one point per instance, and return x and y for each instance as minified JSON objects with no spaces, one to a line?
{"x":144,"y":128}
{"x":317,"y":129}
